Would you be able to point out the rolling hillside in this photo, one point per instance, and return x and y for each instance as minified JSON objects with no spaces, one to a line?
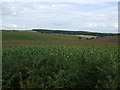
{"x":18,"y":38}
{"x":23,"y":35}
{"x":74,"y":32}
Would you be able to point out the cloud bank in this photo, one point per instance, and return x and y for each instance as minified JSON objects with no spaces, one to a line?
{"x":97,"y":16}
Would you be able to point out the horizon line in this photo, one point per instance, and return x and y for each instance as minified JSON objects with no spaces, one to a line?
{"x":61,"y":30}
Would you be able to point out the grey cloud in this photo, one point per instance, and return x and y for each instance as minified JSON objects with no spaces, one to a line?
{"x":60,"y":15}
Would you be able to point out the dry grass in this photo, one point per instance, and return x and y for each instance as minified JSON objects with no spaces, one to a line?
{"x":86,"y":36}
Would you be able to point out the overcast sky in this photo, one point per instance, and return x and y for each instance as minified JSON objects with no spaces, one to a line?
{"x":79,"y":16}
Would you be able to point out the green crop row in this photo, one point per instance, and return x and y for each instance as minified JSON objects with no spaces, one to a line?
{"x":60,"y":67}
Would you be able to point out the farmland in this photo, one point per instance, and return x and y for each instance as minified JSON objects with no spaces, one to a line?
{"x":38,"y":60}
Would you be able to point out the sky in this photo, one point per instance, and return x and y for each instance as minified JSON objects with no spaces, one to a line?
{"x":76,"y":16}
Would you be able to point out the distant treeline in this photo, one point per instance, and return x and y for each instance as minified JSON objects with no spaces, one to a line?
{"x":74,"y":32}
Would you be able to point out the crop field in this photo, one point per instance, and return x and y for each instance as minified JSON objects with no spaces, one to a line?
{"x":48,"y":61}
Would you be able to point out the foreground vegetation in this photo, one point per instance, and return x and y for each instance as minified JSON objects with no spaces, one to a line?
{"x":59,"y":63}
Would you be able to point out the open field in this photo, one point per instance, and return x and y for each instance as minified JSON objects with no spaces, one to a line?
{"x":11,"y":38}
{"x":86,"y":36}
{"x":35,"y":60}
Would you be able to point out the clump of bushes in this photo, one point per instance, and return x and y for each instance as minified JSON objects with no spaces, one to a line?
{"x":90,"y":38}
